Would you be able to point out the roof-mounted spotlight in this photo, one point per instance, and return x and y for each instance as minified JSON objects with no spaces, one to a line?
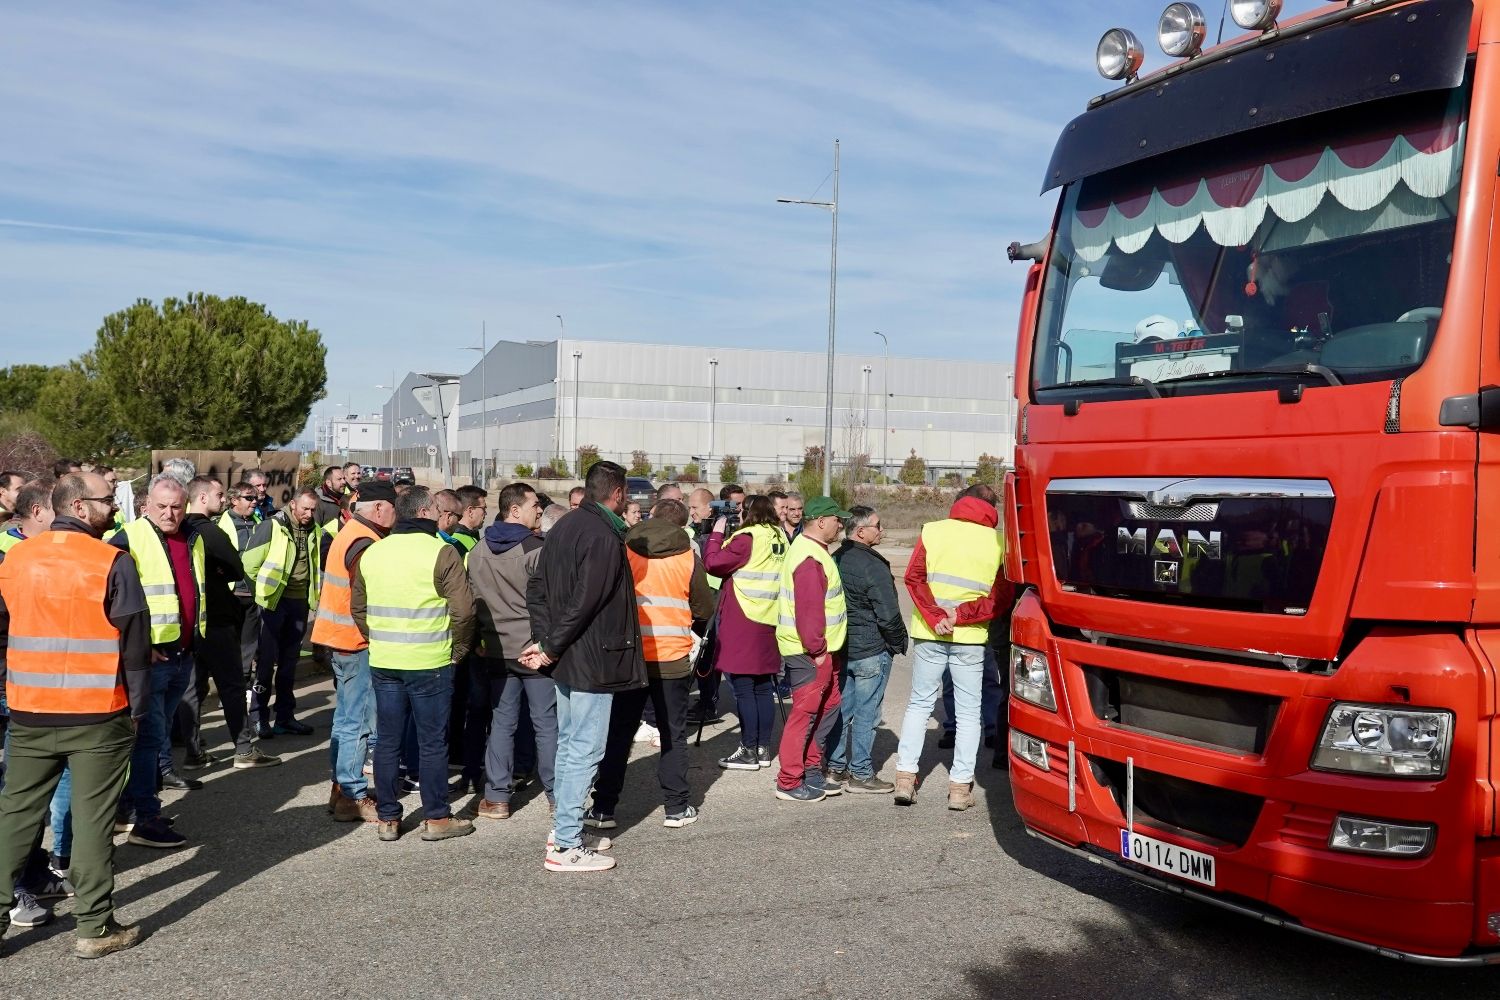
{"x":1255,"y":15}
{"x":1181,"y":30}
{"x":1119,"y":55}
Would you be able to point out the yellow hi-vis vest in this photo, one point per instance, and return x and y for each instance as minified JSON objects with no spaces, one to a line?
{"x":8,"y":541}
{"x":274,"y":565}
{"x":155,"y":568}
{"x":963,"y":560}
{"x":757,"y":584}
{"x":406,"y":616}
{"x":835,"y":610}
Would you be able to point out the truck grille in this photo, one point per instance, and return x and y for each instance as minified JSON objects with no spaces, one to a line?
{"x":1217,"y":815}
{"x":1238,"y":721}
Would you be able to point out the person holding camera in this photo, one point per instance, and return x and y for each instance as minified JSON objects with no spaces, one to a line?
{"x":750,"y":559}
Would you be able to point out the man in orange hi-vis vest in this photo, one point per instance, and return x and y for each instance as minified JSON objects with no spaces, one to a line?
{"x":351,"y":799}
{"x":75,"y":656}
{"x":671,"y":594}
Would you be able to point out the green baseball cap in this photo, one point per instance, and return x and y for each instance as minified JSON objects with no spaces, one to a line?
{"x":824,"y":507}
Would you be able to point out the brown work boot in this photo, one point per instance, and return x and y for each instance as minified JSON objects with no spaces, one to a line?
{"x":334,"y":794}
{"x":492,"y":810}
{"x":388,"y":829}
{"x":445,"y":829}
{"x":960,"y":795}
{"x":906,"y":788}
{"x":360,"y":810}
{"x":114,"y":937}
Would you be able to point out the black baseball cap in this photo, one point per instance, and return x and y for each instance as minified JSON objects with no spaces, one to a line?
{"x":378,"y":489}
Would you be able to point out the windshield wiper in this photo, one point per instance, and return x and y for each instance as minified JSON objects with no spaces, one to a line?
{"x":1322,"y":371}
{"x":1130,"y":382}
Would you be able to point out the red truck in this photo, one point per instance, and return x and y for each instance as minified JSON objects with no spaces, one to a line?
{"x":1256,"y":500}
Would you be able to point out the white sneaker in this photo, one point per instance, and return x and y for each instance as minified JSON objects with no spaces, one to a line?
{"x":591,"y":841}
{"x":577,"y":859}
{"x":647,"y":733}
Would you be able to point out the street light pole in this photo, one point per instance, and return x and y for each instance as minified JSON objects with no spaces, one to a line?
{"x":833,"y":283}
{"x":885,"y":390}
{"x":558,"y":391}
{"x":713,"y":407}
{"x":577,"y":360}
{"x":390,"y":443}
{"x":484,"y":439}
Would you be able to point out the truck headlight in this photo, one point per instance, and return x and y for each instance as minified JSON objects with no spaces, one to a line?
{"x":1030,"y":678}
{"x":1378,"y":836}
{"x":1255,"y":15}
{"x":1385,"y":739}
{"x":1119,"y":55}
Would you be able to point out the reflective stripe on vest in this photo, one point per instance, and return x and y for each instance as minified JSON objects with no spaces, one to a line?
{"x":406,"y":616}
{"x":835,"y":609}
{"x":662,"y":587}
{"x":149,"y":550}
{"x":334,"y":625}
{"x":963,"y":560}
{"x":64,"y":654}
{"x":757,"y":584}
{"x":276,"y":568}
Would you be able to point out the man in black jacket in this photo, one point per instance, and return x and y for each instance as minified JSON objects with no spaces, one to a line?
{"x":877,"y":634}
{"x":219,"y":659}
{"x":584,"y":631}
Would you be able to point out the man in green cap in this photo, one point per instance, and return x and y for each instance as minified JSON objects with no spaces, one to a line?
{"x":810,"y":630}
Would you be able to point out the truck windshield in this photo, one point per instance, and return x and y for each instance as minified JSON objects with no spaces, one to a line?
{"x":1321,"y":247}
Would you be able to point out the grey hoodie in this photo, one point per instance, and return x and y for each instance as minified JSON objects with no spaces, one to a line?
{"x":499,"y":568}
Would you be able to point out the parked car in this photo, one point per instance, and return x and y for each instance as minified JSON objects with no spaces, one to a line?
{"x":639,"y":488}
{"x":403,"y":476}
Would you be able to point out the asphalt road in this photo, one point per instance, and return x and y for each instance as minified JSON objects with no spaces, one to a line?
{"x":850,"y":897}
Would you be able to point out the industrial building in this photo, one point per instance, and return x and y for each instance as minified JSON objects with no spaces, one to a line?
{"x":527,"y":403}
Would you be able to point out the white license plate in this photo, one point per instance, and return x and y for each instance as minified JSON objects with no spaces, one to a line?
{"x":1195,"y":866}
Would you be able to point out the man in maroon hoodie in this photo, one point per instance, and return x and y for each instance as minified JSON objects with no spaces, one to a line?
{"x":955,"y":580}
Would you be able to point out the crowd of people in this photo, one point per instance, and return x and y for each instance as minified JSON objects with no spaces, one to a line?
{"x":536,"y":648}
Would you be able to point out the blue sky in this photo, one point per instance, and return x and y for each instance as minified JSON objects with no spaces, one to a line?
{"x":396,"y":173}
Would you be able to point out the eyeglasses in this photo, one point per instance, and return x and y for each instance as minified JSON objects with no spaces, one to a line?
{"x":243,"y":496}
{"x":109,"y":500}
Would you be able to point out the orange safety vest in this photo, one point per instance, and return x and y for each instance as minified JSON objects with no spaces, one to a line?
{"x":334,"y":625}
{"x":64,"y":655}
{"x":661,"y":600}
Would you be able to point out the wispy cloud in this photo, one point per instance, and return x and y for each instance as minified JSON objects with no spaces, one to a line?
{"x":395,"y":173}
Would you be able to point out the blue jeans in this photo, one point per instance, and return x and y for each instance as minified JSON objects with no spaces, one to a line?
{"x":502,"y":691}
{"x":991,"y":700}
{"x":862,"y":689}
{"x":931,"y":660}
{"x":755,"y":704}
{"x":582,"y":730}
{"x":353,"y":722}
{"x":426,"y":698}
{"x":62,"y":815}
{"x":169,"y":679}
